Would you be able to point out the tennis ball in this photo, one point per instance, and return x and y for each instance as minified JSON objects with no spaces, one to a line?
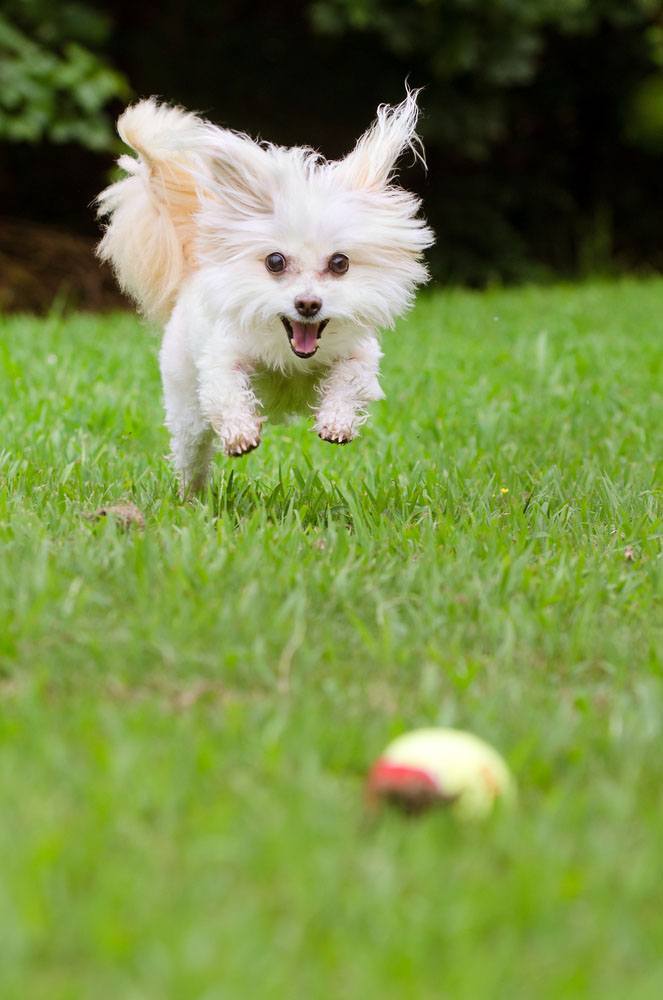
{"x":449,"y":767}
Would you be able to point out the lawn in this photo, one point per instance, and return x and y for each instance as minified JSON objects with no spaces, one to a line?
{"x":187,"y":712}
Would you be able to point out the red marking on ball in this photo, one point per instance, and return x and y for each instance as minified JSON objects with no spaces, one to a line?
{"x":411,"y":788}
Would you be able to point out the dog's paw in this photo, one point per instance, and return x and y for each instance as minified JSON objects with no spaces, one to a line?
{"x":335,"y":433}
{"x":241,"y":439}
{"x":241,"y":445}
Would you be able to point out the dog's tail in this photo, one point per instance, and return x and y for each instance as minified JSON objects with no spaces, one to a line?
{"x":151,"y":233}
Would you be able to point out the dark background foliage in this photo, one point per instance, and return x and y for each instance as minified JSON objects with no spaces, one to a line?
{"x":543,"y":119}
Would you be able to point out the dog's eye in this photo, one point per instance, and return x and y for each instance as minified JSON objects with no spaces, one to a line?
{"x":338,"y":263}
{"x":275,"y":263}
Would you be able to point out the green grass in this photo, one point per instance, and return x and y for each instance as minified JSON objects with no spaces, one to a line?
{"x":187,"y":713}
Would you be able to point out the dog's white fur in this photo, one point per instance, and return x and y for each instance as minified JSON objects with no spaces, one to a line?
{"x":190,"y":229}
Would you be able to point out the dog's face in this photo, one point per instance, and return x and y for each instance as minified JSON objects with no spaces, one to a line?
{"x":306,"y":248}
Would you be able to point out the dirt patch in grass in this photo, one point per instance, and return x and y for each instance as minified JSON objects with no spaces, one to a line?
{"x":39,"y":264}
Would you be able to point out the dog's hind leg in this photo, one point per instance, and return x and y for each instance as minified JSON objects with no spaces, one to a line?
{"x":191,"y":450}
{"x":191,"y":437}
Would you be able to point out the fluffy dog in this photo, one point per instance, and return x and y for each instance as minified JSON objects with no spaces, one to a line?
{"x":272,"y":270}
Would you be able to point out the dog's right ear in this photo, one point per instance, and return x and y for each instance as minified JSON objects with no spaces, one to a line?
{"x":241,"y":172}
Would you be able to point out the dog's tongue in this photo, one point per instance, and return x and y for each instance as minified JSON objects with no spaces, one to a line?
{"x":305,"y":337}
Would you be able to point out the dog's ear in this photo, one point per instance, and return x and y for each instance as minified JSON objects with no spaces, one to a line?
{"x":241,"y":172}
{"x":372,"y":162}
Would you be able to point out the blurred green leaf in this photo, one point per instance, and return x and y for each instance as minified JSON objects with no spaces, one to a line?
{"x":645,"y":122}
{"x":52,"y":85}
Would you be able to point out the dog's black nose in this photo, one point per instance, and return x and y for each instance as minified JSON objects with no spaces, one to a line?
{"x":308,"y":306}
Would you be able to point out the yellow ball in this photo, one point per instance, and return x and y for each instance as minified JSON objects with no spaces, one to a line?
{"x":441,"y":767}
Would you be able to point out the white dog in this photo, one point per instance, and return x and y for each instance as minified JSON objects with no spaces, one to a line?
{"x":272,"y":269}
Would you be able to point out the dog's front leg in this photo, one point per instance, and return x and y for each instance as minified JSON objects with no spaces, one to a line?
{"x":226,"y":398}
{"x":350,"y":385}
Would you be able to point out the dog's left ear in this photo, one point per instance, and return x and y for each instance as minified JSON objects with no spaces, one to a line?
{"x":372,"y":162}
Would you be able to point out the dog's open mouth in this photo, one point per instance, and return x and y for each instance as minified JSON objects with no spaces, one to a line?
{"x":304,"y":337}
